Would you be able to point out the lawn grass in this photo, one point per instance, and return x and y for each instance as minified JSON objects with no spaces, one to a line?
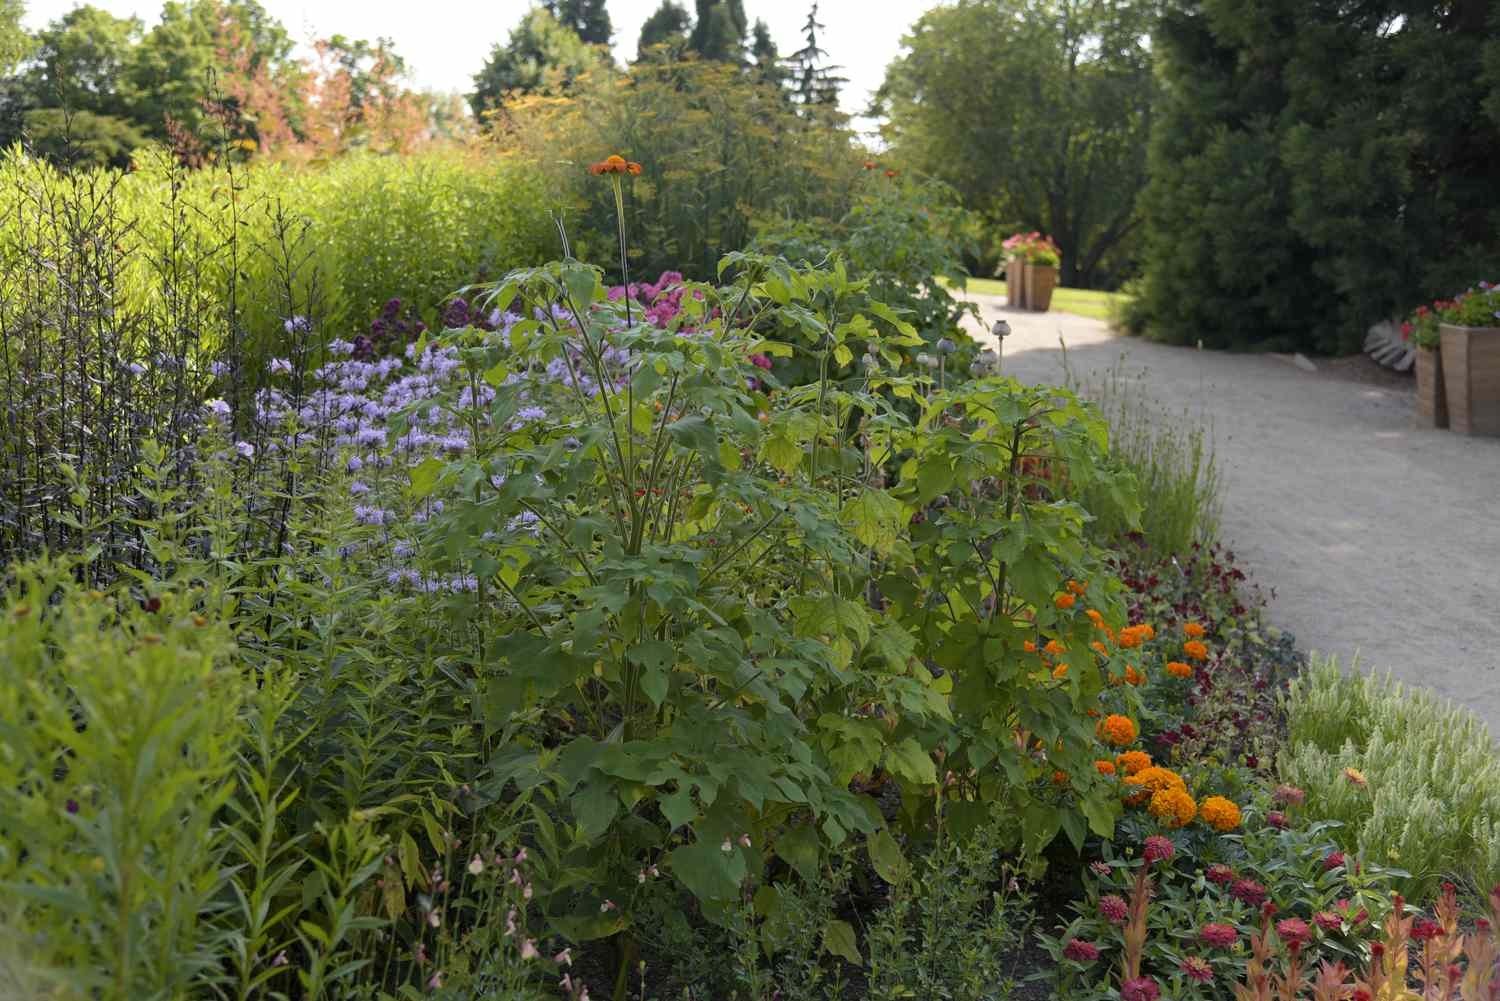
{"x":1083,"y":302}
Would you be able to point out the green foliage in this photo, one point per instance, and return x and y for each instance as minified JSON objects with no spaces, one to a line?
{"x":1284,"y":213}
{"x":117,"y":752}
{"x":81,"y":139}
{"x":667,"y":28}
{"x":15,"y":43}
{"x":1291,"y":867}
{"x":905,"y":238}
{"x":543,"y":55}
{"x":589,"y":19}
{"x":1431,"y":785}
{"x":1044,"y":123}
{"x":718,"y":150}
{"x":1476,"y":308}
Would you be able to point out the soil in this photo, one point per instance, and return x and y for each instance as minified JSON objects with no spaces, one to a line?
{"x":1380,"y":537}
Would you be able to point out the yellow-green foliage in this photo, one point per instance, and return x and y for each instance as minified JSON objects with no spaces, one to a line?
{"x":1431,"y":799}
{"x":118,"y":740}
{"x":333,"y":240}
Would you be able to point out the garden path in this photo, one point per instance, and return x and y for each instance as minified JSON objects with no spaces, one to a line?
{"x":1378,"y":537}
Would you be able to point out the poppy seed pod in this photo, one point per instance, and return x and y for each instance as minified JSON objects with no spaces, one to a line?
{"x":1001,"y":329}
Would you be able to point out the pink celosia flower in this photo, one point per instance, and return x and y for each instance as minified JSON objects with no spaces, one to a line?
{"x":1114,"y":909}
{"x":1277,"y":819}
{"x":1083,"y":952}
{"x":1333,"y":860}
{"x":1139,"y":989}
{"x":1159,"y":849}
{"x":1328,"y":921}
{"x":1197,"y":968}
{"x":1289,"y":795}
{"x":1220,"y":936}
{"x":1294,"y":932}
{"x":1221,"y":874}
{"x":1249,"y":891}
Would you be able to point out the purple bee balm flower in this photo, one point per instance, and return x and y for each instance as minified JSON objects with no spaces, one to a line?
{"x":297,"y":325}
{"x":280,"y":366}
{"x":456,"y":314}
{"x":136,"y":368}
{"x":217,"y":408}
{"x":358,"y":489}
{"x":72,"y":806}
{"x":531,"y":414}
{"x":218,"y":368}
{"x":391,"y":308}
{"x":245,"y":449}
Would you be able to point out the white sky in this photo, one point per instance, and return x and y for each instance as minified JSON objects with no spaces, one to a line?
{"x":446,"y":41}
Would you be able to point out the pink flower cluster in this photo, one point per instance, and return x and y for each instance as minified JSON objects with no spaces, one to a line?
{"x":661,"y":301}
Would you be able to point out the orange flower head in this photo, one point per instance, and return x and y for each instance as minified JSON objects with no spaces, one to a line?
{"x":1060,"y":671}
{"x":1194,"y":631}
{"x":1219,"y":813}
{"x":890,"y":173}
{"x":1119,"y":730}
{"x":1178,"y":669}
{"x":1134,"y":636}
{"x":1054,"y":648}
{"x":869,"y":164}
{"x":1147,"y":782}
{"x":615,"y":164}
{"x":1356,"y":776}
{"x":1059,"y":778}
{"x":1065,"y":601}
{"x":1094,"y":616}
{"x":1078,"y":588}
{"x":1100,"y":648}
{"x":1173,"y":807}
{"x":1132,"y":762}
{"x":1195,"y":650}
{"x":1132,"y":676}
{"x":1104,"y":767}
{"x":1029,"y":646}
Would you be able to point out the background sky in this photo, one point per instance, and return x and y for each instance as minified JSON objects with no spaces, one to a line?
{"x":446,"y":41}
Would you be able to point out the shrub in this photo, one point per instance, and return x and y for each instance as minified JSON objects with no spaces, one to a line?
{"x":1412,"y":778}
{"x":904,"y":237}
{"x":719,"y":149}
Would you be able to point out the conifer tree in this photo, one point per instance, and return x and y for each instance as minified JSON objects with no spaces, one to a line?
{"x":814,"y":82}
{"x":588,"y":18}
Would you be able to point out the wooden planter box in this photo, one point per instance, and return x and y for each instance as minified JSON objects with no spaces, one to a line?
{"x":1015,"y":283}
{"x":1432,"y":401}
{"x":1471,"y":378}
{"x":1040,"y":281}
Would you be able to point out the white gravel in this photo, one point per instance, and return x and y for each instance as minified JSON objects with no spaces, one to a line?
{"x":1380,"y":540}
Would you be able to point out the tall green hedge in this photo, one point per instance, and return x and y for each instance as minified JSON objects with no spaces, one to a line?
{"x":1318,"y":166}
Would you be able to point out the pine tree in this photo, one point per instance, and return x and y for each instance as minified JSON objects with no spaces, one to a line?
{"x":814,"y":83}
{"x":668,"y":26}
{"x":768,"y":67}
{"x":540,"y":55}
{"x":719,"y":31}
{"x":589,"y":18}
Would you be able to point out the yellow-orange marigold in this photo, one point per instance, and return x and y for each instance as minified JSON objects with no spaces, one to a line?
{"x":1149,"y":781}
{"x":1178,"y":669}
{"x":1133,"y":761}
{"x":1195,"y":650}
{"x":1219,"y":813}
{"x":1100,"y":648}
{"x":1065,"y":600}
{"x":1134,"y":636}
{"x":1132,"y":676}
{"x":1173,"y":807}
{"x":1193,"y":630}
{"x":1094,"y":616}
{"x":1119,"y":730}
{"x":1104,"y":767}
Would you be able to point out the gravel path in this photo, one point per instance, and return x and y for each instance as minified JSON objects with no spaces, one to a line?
{"x":1379,"y":539}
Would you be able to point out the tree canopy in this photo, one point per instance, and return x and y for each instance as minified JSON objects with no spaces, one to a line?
{"x":542,"y":54}
{"x":1319,"y":166}
{"x":1037,"y":112}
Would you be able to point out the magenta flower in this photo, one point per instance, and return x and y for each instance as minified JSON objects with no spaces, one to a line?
{"x":1220,"y":936}
{"x":1159,"y":849}
{"x":1197,"y":968}
{"x":1294,"y":932}
{"x":1081,"y":951}
{"x":1139,"y":989}
{"x":1114,"y":909}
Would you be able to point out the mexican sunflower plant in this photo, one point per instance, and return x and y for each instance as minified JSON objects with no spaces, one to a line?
{"x":702,"y":603}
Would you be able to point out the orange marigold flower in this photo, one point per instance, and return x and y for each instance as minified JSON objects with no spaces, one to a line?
{"x":1134,"y":636}
{"x":1219,"y":813}
{"x":1149,"y":781}
{"x":1100,"y":648}
{"x":1132,"y":676}
{"x":1132,"y":762}
{"x":1195,"y":650}
{"x":1065,"y":600}
{"x":1059,"y":778}
{"x":1078,"y":588}
{"x":1029,"y":646}
{"x":1093,"y":714}
{"x":1060,"y":671}
{"x":1054,"y":648}
{"x":1104,"y":767}
{"x":1178,"y":669}
{"x":1119,"y":730}
{"x":1094,"y":616}
{"x":1173,"y":807}
{"x":1194,"y":630}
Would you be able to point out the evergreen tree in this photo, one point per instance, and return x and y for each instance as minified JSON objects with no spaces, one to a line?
{"x":719,"y":31}
{"x":588,"y":18}
{"x":815,"y":83}
{"x":1316,"y":167}
{"x":667,"y":26}
{"x":768,"y":68}
{"x":14,"y":41}
{"x":541,"y":54}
